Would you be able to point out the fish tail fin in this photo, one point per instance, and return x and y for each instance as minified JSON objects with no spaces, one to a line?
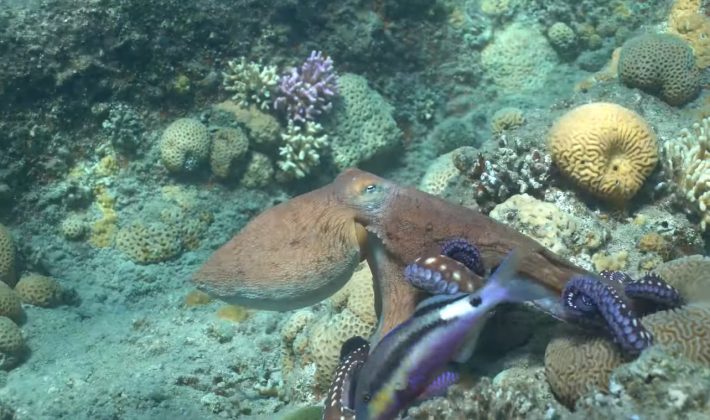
{"x":507,"y":286}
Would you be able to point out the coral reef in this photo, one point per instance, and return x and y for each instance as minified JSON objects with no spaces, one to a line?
{"x":361,"y":123}
{"x":685,"y":161}
{"x":685,"y":331}
{"x":38,"y":290}
{"x":7,"y":257}
{"x":305,"y":93}
{"x":660,"y":63}
{"x":302,"y":145}
{"x":252,"y":83}
{"x":184,"y":145}
{"x":605,"y":148}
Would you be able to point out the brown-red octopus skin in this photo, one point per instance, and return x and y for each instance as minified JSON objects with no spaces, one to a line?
{"x":303,"y":250}
{"x":292,"y":255}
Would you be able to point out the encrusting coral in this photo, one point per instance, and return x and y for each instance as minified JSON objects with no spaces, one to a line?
{"x":605,"y":148}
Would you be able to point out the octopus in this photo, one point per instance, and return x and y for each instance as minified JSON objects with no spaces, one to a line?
{"x":612,"y":302}
{"x":301,"y":251}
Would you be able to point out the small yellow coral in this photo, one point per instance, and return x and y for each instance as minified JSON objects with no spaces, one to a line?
{"x":605,"y":148}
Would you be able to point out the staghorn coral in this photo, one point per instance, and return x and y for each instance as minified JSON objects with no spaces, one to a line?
{"x":252,"y":83}
{"x":660,"y":64}
{"x":515,"y":167}
{"x":686,"y":162}
{"x":605,"y":148}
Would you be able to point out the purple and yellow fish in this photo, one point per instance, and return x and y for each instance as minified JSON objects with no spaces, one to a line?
{"x":411,"y":357}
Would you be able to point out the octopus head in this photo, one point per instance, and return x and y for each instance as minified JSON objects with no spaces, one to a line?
{"x":365,"y":193}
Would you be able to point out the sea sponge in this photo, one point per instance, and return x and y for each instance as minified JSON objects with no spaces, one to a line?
{"x":605,"y":148}
{"x":660,"y":64}
{"x":506,"y":119}
{"x":10,"y":303}
{"x":147,"y":243}
{"x":12,"y":345}
{"x":575,"y":364}
{"x":519,"y":59}
{"x":38,"y":290}
{"x":229,"y":144}
{"x":185,"y":143}
{"x":7,"y":257}
{"x":361,"y":122}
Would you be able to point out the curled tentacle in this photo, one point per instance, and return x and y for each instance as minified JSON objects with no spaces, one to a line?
{"x":465,"y":252}
{"x":458,"y":268}
{"x":587,"y":298}
{"x":654,"y":289}
{"x":340,"y":401}
{"x":441,"y":275}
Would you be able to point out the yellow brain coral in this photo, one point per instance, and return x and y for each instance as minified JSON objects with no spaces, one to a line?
{"x":605,"y":148}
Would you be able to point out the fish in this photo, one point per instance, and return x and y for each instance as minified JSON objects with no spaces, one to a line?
{"x":415,"y":353}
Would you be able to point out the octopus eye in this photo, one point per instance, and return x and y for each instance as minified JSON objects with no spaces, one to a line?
{"x":367,"y":397}
{"x":370,"y":188}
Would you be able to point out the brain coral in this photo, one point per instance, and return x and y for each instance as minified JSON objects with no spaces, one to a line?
{"x":575,"y":363}
{"x":605,"y":148}
{"x":362,"y":122}
{"x":660,"y":64}
{"x":185,"y":143}
{"x":520,"y":58}
{"x":147,"y":243}
{"x":7,"y":257}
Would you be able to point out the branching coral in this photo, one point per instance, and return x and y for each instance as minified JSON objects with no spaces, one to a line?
{"x":306,"y":92}
{"x":514,"y":168}
{"x":301,"y":147}
{"x":686,"y":160}
{"x":252,"y":83}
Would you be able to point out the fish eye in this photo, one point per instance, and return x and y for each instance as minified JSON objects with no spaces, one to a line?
{"x":366,"y":397}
